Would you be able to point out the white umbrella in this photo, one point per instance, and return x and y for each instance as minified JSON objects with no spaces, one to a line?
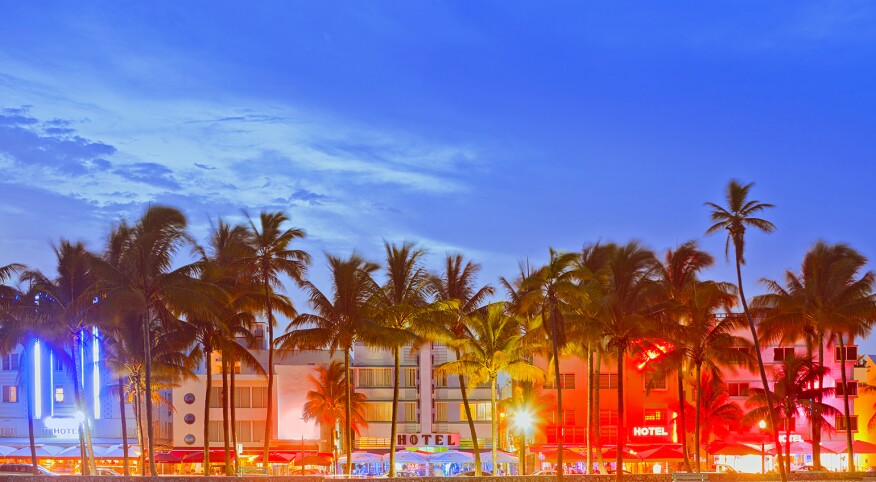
{"x":41,"y":451}
{"x":504,"y":457}
{"x":6,"y":450}
{"x":407,"y":457}
{"x":117,"y":452}
{"x":452,"y":457}
{"x":362,"y":458}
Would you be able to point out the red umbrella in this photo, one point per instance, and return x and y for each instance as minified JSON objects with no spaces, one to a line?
{"x":611,"y":453}
{"x":724,"y":448}
{"x":859,"y":447}
{"x":569,"y":456}
{"x":661,"y":453}
{"x":173,"y":457}
{"x":216,"y":455}
{"x":274,"y":457}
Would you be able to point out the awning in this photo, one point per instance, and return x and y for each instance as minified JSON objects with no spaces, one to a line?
{"x":735,"y":448}
{"x":611,"y":453}
{"x":661,"y":453}
{"x":501,"y":456}
{"x":172,"y":457}
{"x":361,"y":458}
{"x":452,"y":457}
{"x":6,"y":450}
{"x":216,"y":455}
{"x":273,"y":457}
{"x":569,"y":456}
{"x":407,"y":457}
{"x":858,"y":446}
{"x":42,"y":451}
{"x":320,"y":460}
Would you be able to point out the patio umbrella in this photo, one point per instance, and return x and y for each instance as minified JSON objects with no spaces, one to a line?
{"x":724,"y":448}
{"x":42,"y":451}
{"x":216,"y":455}
{"x":316,"y":460}
{"x":361,"y":458}
{"x":796,"y":448}
{"x":273,"y":457}
{"x":6,"y":450}
{"x":611,"y":453}
{"x":117,"y":452}
{"x":502,"y":457}
{"x":173,"y":457}
{"x":407,"y":457}
{"x":569,"y":456}
{"x":452,"y":457}
{"x":661,"y":453}
{"x":859,"y":447}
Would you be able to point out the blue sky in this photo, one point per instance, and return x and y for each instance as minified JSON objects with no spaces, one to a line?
{"x":493,"y":128}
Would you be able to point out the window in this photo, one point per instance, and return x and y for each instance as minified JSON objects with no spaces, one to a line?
{"x":568,"y":417}
{"x":740,"y":354}
{"x":216,"y":433}
{"x":242,"y":397}
{"x":654,"y":381}
{"x":480,"y":411}
{"x":410,"y":411}
{"x":841,"y":423}
{"x":10,"y":394}
{"x":851,"y":353}
{"x":216,"y":397}
{"x":378,"y":411}
{"x":244,"y":431}
{"x":259,"y":400}
{"x":608,"y":417}
{"x":852,"y":391}
{"x":375,"y":377}
{"x":59,"y":394}
{"x":440,"y":411}
{"x":567,"y":380}
{"x":441,"y":380}
{"x":738,"y":389}
{"x":655,"y":416}
{"x":409,"y":377}
{"x":59,"y":366}
{"x":782,"y":353}
{"x":608,"y":381}
{"x":10,"y":362}
{"x":608,"y":435}
{"x":258,"y":430}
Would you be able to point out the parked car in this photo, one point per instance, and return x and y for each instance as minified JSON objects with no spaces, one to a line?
{"x":23,"y":469}
{"x":108,"y":472}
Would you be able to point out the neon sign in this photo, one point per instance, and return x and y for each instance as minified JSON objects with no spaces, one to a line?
{"x":794,"y":437}
{"x":650,"y":432}
{"x":427,"y":439}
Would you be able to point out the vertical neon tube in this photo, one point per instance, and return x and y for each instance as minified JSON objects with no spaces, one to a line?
{"x":51,"y":383}
{"x":95,"y":372}
{"x":37,"y":382}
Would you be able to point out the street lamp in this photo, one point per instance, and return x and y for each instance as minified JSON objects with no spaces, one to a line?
{"x":762,"y":426}
{"x":523,"y":421}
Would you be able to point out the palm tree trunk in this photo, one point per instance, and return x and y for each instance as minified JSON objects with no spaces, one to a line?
{"x":597,"y":423}
{"x":208,"y":356}
{"x":494,"y":423}
{"x":150,"y":435}
{"x":556,"y":355}
{"x":763,"y":377}
{"x":588,"y":424}
{"x":619,"y":469}
{"x":126,"y":463}
{"x":463,"y":391}
{"x":396,"y":381}
{"x":80,"y":402}
{"x":846,"y":411}
{"x":348,"y":411}
{"x":226,"y":400}
{"x":138,"y":404}
{"x":817,"y":416}
{"x":233,"y":410}
{"x":788,"y":439}
{"x":682,"y":420}
{"x":697,"y":411}
{"x":28,"y":389}
{"x":270,"y":405}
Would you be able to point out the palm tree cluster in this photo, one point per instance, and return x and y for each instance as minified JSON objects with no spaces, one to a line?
{"x":607,"y":301}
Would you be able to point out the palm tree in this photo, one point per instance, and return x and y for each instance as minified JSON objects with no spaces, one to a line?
{"x":339,"y":319}
{"x":136,"y":280}
{"x":679,"y":272}
{"x":457,"y":289}
{"x":400,"y":306}
{"x":735,"y":218}
{"x":716,"y":411}
{"x":325,"y":402}
{"x":546,"y":294}
{"x":67,"y":300}
{"x":796,"y":392}
{"x":817,"y":304}
{"x":492,"y":345}
{"x":272,"y":258}
{"x":625,"y":313}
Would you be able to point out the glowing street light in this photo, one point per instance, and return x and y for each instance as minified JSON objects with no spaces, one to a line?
{"x":523,"y":422}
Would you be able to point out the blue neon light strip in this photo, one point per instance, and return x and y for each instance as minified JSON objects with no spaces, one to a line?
{"x":95,"y":372}
{"x":37,"y":382}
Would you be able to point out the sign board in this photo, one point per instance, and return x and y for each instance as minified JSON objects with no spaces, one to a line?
{"x":62,"y":427}
{"x":427,"y":440}
{"x":650,"y":432}
{"x":794,"y":437}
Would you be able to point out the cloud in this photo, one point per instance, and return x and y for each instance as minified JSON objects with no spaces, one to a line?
{"x":149,"y":173}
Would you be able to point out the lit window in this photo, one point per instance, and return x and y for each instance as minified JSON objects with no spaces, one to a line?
{"x":655,"y":416}
{"x":59,"y":394}
{"x":841,"y":423}
{"x":10,"y":394}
